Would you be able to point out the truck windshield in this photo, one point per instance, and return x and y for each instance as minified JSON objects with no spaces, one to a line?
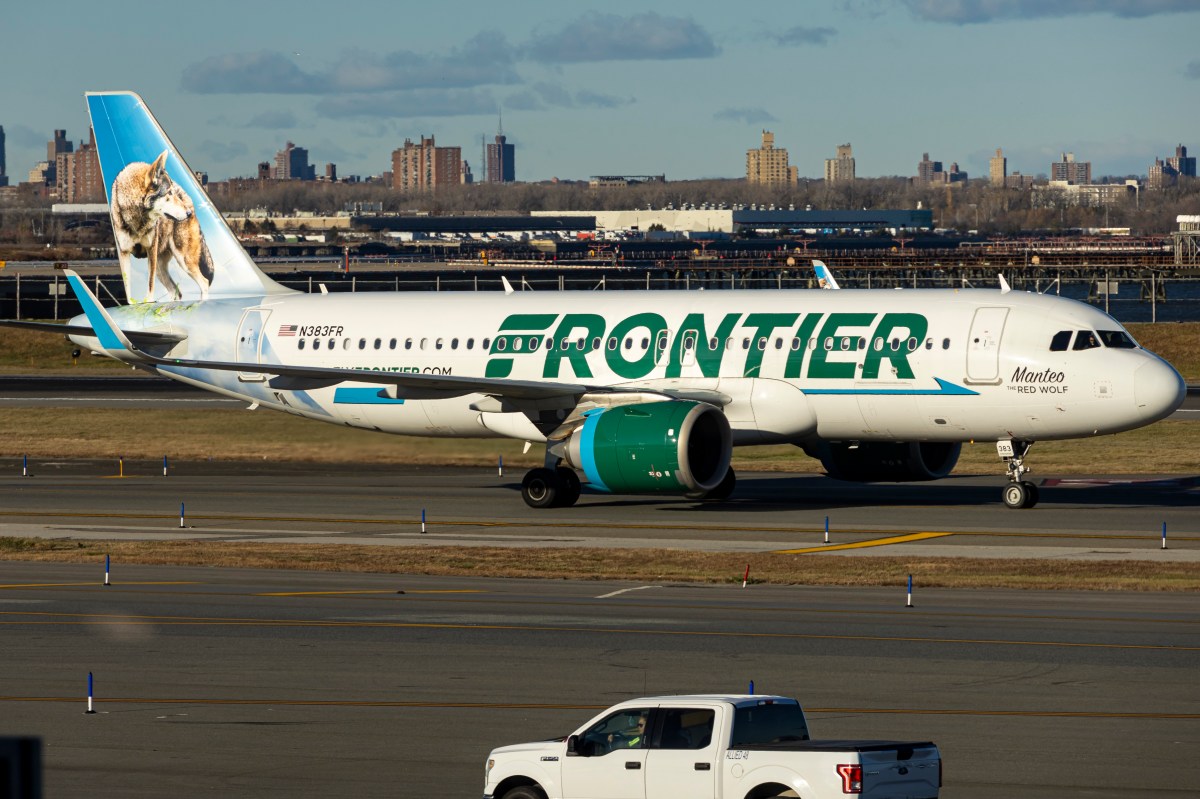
{"x":756,"y":725}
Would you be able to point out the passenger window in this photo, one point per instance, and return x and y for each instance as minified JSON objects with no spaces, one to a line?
{"x":332,"y":343}
{"x":565,"y":344}
{"x":579,"y":342}
{"x":645,"y":343}
{"x":829,"y":344}
{"x":1061,"y":340}
{"x":612,"y":343}
{"x":501,"y":344}
{"x":549,"y":345}
{"x":470,"y":343}
{"x":486,"y":344}
{"x":685,"y":728}
{"x":762,"y":343}
{"x":895,"y":345}
{"x":778,"y":343}
{"x":362,"y":343}
{"x":629,"y":343}
{"x":1085,"y":340}
{"x":713,"y":343}
{"x":534,"y":343}
{"x":596,"y":343}
{"x":408,"y":343}
{"x":517,"y":342}
{"x":928,"y":343}
{"x":845,"y":343}
{"x":316,"y":343}
{"x":912,"y":344}
{"x":453,"y":343}
{"x":438,"y":344}
{"x":392,"y":344}
{"x":795,"y":344}
{"x":878,"y":345}
{"x":300,"y":344}
{"x":945,"y":343}
{"x":378,"y":343}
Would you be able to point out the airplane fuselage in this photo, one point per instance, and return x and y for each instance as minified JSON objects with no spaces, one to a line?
{"x":936,"y":365}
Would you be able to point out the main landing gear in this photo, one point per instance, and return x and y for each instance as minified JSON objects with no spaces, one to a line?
{"x":1018,"y":493}
{"x":550,"y":488}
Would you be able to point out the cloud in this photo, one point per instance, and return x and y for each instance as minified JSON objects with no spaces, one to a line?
{"x":608,"y":37}
{"x":800,"y":35}
{"x":486,"y":59}
{"x":750,"y":116}
{"x":272,"y":120}
{"x":221,"y":152}
{"x":250,"y":73}
{"x":1192,"y":70}
{"x":409,"y":104}
{"x":542,"y":95}
{"x":966,"y":12}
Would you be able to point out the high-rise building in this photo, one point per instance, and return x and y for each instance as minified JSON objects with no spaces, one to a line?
{"x":499,"y":165}
{"x":57,"y":146}
{"x":425,"y":166}
{"x":78,"y":178}
{"x":769,"y":166}
{"x":3,"y":162}
{"x":840,"y":169}
{"x":291,"y":163}
{"x":998,"y":168}
{"x":1183,"y":165}
{"x":929,"y":171}
{"x":1068,"y":170}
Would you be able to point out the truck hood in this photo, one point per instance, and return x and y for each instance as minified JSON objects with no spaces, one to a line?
{"x":526,"y":748}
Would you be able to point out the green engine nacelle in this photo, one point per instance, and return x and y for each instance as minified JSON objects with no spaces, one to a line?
{"x":669,"y":447}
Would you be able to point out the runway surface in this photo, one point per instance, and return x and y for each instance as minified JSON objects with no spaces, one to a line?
{"x":1078,"y":517}
{"x":247,"y":683}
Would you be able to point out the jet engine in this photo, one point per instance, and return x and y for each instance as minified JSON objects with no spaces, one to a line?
{"x":668,"y":447}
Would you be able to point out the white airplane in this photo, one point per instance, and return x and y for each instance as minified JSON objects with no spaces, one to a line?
{"x":642,"y":392}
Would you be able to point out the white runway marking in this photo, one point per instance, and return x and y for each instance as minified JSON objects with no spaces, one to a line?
{"x":624,"y":590}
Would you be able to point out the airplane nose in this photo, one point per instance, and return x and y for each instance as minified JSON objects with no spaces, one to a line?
{"x":1158,"y":390}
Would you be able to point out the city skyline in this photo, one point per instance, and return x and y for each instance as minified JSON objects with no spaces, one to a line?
{"x":685,"y":89}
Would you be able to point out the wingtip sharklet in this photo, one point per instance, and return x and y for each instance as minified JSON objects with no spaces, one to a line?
{"x":111,"y":338}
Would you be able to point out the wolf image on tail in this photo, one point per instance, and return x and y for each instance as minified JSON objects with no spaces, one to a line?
{"x":153,"y":218}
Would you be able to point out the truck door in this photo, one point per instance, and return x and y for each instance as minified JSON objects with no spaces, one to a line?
{"x":983,"y":345}
{"x":611,"y":758}
{"x":683,"y":754}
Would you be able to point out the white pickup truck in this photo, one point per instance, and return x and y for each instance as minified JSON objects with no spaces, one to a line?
{"x":723,"y":747}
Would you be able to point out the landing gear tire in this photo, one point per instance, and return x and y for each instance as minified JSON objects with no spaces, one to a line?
{"x":540,"y":488}
{"x":1020,"y":495}
{"x":724,"y":488}
{"x":569,"y":487}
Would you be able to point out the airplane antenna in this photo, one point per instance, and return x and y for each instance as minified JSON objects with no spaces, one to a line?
{"x":508,"y":289}
{"x":1004,"y":287}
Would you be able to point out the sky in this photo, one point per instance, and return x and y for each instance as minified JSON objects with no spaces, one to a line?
{"x":681,"y":88}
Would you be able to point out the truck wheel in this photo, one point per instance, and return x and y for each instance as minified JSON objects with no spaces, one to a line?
{"x":524,"y":792}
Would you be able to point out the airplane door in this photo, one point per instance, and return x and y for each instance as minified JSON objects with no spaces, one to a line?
{"x":248,"y":347}
{"x":983,"y":345}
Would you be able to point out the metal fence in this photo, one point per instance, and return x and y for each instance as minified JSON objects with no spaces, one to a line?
{"x":1146,"y":298}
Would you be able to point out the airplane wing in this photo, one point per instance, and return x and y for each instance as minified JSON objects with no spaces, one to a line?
{"x":399,"y":385}
{"x":144,"y":337}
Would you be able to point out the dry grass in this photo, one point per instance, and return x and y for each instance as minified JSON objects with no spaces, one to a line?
{"x":642,"y":565}
{"x":239,"y":435}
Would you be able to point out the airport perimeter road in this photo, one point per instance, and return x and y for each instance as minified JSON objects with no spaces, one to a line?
{"x":1077,"y":517}
{"x":226,"y":682}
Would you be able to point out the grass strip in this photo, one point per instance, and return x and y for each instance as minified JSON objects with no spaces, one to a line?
{"x":640,"y":565}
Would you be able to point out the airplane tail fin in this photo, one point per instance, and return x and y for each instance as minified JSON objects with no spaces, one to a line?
{"x":172,"y":242}
{"x":825,"y":278}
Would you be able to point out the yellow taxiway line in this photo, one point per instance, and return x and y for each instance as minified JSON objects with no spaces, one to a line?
{"x":874,"y":542}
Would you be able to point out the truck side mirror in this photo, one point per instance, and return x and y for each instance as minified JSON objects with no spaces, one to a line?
{"x":573,"y":746}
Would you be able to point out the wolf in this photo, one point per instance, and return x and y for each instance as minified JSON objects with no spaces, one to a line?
{"x":153,"y":218}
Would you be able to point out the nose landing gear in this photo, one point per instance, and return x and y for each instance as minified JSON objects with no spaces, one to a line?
{"x":1018,"y":493}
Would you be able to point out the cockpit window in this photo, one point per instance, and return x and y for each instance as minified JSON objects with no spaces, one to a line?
{"x":1086,"y":340}
{"x":1117,"y":339}
{"x":1061,"y":340}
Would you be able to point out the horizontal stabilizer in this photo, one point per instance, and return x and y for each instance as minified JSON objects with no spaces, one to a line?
{"x":143,"y":338}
